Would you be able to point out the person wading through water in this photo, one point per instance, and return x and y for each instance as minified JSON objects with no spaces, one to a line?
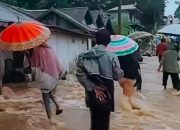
{"x":161,"y":48}
{"x":96,"y":70}
{"x":170,"y":65}
{"x":47,"y":71}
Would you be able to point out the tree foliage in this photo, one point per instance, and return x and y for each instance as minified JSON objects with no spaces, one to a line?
{"x":152,"y":10}
{"x":94,"y":4}
{"x":38,"y":4}
{"x":177,"y":12}
{"x":125,"y":30}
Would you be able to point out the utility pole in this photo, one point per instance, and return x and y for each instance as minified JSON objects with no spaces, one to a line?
{"x":119,"y":16}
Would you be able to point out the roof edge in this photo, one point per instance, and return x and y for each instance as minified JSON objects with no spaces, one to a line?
{"x":80,"y":25}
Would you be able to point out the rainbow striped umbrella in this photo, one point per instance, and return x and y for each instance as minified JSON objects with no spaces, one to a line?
{"x":122,"y":45}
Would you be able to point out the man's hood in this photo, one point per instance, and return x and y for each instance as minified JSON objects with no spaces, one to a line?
{"x":95,"y":52}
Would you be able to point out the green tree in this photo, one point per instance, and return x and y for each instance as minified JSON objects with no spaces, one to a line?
{"x":152,"y":10}
{"x":177,"y":12}
{"x":125,"y":30}
{"x":37,"y":4}
{"x":54,"y":3}
{"x":94,"y":4}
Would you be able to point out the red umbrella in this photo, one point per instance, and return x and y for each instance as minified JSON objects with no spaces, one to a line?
{"x":23,"y":35}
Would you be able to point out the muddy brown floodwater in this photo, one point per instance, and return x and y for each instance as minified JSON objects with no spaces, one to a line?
{"x":27,"y":112}
{"x":22,"y":109}
{"x":165,"y":107}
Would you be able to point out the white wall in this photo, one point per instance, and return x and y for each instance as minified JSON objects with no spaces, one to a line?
{"x":67,"y":48}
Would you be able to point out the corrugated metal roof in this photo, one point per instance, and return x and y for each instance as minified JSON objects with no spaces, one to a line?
{"x":125,"y":7}
{"x":69,"y":18}
{"x":33,"y":13}
{"x":105,"y":19}
{"x":9,"y":14}
{"x":77,"y":13}
{"x":94,"y":15}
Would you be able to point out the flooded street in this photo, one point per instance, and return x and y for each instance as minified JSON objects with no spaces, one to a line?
{"x":165,"y":113}
{"x":45,"y":44}
{"x":164,"y":106}
{"x":26,"y":111}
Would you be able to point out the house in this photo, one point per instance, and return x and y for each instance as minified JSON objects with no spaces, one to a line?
{"x":69,"y":37}
{"x":8,"y":14}
{"x":97,"y":19}
{"x":32,"y":13}
{"x":91,"y":18}
{"x":129,"y":14}
{"x":107,"y":22}
{"x":7,"y":17}
{"x":72,"y":29}
{"x":81,"y":14}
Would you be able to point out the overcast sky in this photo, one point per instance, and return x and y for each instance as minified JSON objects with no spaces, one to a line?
{"x":170,"y":7}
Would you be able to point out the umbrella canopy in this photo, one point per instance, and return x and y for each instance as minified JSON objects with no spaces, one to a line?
{"x":139,"y":35}
{"x":122,"y":45}
{"x":23,"y":35}
{"x":172,"y":30}
{"x":158,"y":37}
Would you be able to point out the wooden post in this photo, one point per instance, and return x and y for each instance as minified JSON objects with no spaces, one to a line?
{"x":119,"y":16}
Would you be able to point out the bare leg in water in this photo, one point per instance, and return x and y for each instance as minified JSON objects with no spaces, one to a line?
{"x":47,"y":104}
{"x":58,"y":110}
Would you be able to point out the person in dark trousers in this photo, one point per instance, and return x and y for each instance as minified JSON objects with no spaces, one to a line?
{"x":96,"y":70}
{"x":169,"y":62}
{"x":161,"y":48}
{"x":138,"y":58}
{"x":131,"y":67}
{"x":138,"y":83}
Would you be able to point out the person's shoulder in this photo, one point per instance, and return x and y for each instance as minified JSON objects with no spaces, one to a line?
{"x":112,"y":55}
{"x":85,"y":52}
{"x":175,"y":52}
{"x":167,"y":51}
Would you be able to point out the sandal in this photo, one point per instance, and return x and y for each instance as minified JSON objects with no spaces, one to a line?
{"x":59,"y":111}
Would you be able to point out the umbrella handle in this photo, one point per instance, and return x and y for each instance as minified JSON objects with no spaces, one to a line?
{"x":18,"y":19}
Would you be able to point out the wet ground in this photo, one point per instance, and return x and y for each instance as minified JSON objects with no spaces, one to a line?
{"x":165,"y":113}
{"x":21,"y":108}
{"x":26,"y":112}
